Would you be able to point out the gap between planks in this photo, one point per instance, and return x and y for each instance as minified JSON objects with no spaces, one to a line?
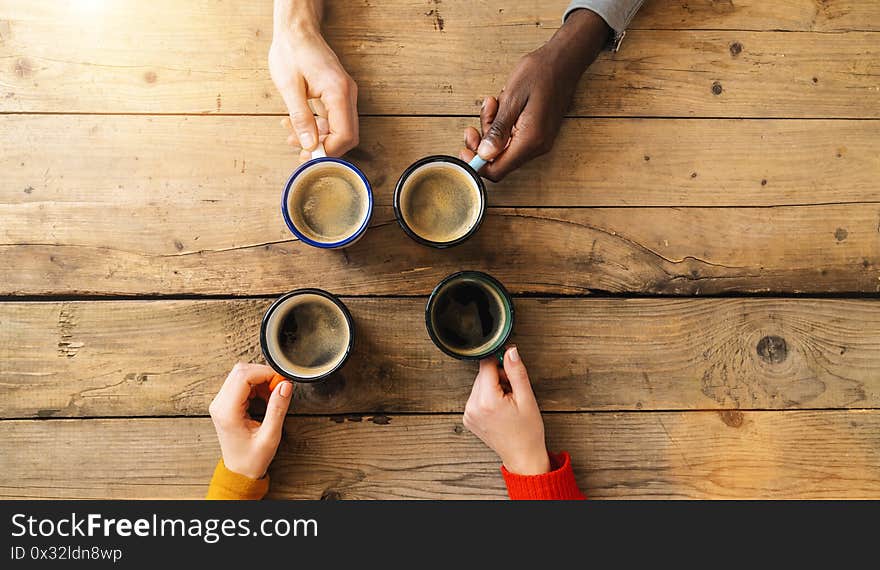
{"x":593,"y":294}
{"x":442,"y":116}
{"x":359,"y":416}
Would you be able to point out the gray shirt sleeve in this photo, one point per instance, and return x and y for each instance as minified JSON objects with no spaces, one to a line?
{"x":616,"y":13}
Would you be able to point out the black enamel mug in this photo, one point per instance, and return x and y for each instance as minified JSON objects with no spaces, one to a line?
{"x":439,"y":200}
{"x":306,"y":335}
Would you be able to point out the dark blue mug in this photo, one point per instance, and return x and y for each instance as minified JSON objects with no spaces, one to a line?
{"x":327,"y":202}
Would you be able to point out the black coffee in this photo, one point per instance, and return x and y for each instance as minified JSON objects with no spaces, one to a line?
{"x":468,"y":317}
{"x":308,"y":335}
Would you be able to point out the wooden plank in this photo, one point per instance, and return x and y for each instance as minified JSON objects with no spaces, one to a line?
{"x":694,"y":455}
{"x":408,"y":58}
{"x":238,"y":165}
{"x":134,"y":358}
{"x":792,"y":15}
{"x":809,"y":249}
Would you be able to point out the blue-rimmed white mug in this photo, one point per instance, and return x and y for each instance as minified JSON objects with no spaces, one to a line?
{"x":327,"y":202}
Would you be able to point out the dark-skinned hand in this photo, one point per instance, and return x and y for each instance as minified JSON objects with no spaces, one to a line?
{"x":523,"y":121}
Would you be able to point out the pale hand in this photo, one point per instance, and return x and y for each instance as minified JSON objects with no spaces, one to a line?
{"x":304,"y":68}
{"x":502,"y":411}
{"x":247,"y":445}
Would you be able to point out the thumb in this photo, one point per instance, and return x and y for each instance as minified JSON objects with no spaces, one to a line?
{"x":487,"y":380}
{"x":301,"y":118}
{"x":516,"y":372}
{"x":496,"y":137}
{"x":276,"y":411}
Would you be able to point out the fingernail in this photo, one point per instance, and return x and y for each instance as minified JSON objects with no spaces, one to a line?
{"x":485,"y":149}
{"x":483,"y":105}
{"x":286,"y":389}
{"x":306,"y":140}
{"x":513,"y":353}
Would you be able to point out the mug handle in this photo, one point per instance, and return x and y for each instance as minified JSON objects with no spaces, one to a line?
{"x":319,"y":151}
{"x":476,"y":163}
{"x":499,"y":354}
{"x":278,"y":379}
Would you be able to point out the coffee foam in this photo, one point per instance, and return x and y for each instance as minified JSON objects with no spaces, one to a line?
{"x":440,"y":202}
{"x":328,"y":202}
{"x":307,"y":335}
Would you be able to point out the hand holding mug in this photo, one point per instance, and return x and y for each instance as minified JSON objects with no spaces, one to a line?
{"x":502,"y":411}
{"x":303,"y":67}
{"x":523,"y":122}
{"x":247,"y":445}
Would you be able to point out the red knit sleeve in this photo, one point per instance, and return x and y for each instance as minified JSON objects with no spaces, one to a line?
{"x":557,"y":485}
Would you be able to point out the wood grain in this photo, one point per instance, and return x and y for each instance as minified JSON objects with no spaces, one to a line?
{"x":696,"y":455}
{"x":417,"y":58}
{"x":133,"y":358}
{"x":655,"y":398}
{"x":690,"y":251}
{"x":791,"y":15}
{"x":238,"y":165}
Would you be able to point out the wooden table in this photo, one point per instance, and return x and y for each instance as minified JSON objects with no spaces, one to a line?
{"x":695,"y":265}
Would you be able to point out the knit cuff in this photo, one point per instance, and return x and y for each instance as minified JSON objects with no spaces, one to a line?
{"x":557,"y":485}
{"x":229,"y":486}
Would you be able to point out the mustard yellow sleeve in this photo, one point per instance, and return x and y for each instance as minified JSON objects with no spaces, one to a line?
{"x":228,"y":486}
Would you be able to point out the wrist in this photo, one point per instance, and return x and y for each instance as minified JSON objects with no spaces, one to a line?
{"x":243,"y":470}
{"x":537,"y":463}
{"x":297,"y":17}
{"x":580,"y":39}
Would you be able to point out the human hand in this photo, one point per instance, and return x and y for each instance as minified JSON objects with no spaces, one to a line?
{"x":303,"y":68}
{"x":525,"y":119}
{"x":502,"y":411}
{"x":247,"y":445}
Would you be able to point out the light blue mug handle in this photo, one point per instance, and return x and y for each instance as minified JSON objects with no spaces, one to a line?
{"x":477,"y":163}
